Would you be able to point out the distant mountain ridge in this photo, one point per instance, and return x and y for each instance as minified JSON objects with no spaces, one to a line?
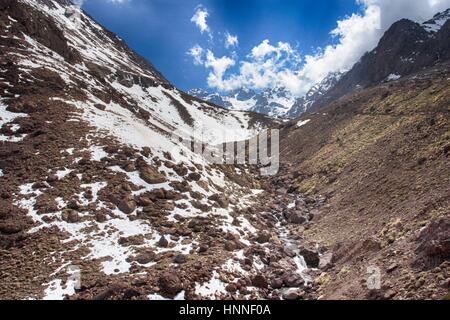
{"x":405,"y":48}
{"x":277,"y":102}
{"x":272,"y":102}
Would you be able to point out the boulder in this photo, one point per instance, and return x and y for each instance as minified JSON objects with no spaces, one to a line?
{"x":194,"y":176}
{"x":263,"y":237}
{"x":181,"y":170}
{"x":127,"y":205}
{"x":163,"y":243}
{"x":293,"y":280}
{"x":260,"y":281}
{"x":101,"y":217}
{"x":296,"y":218}
{"x":325,"y":261}
{"x":170,"y":284}
{"x":70,"y":216}
{"x":433,"y":244}
{"x":151,"y":175}
{"x":180,"y":259}
{"x":221,"y":200}
{"x":312,"y":258}
{"x":145,"y":257}
{"x":131,"y":241}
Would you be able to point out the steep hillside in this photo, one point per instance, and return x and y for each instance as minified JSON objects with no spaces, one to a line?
{"x":94,"y":177}
{"x":380,"y":157}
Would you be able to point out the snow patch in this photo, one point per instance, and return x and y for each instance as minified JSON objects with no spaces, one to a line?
{"x":393,"y":77}
{"x":303,"y":122}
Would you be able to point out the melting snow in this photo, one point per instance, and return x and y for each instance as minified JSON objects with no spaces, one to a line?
{"x":56,"y":291}
{"x":393,"y":77}
{"x":63,"y":173}
{"x":211,"y":288}
{"x":302,"y":123}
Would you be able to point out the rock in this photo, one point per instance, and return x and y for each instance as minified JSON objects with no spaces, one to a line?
{"x":151,"y":175}
{"x":163,"y":243}
{"x":204,"y":185}
{"x":170,"y":283}
{"x":311,"y":258}
{"x":194,"y":176}
{"x":200,"y":206}
{"x":146,"y":151}
{"x":221,"y":200}
{"x":144,"y":201}
{"x":202,"y":249}
{"x":129,"y":167}
{"x":52,"y":178}
{"x":259,"y":281}
{"x":290,"y":250}
{"x":296,"y":218}
{"x":263,"y":237}
{"x":180,"y":259}
{"x":434,"y":244}
{"x":293,"y":280}
{"x":230,"y":246}
{"x":181,"y":170}
{"x":276,"y":284}
{"x":392,"y":268}
{"x":325,"y":261}
{"x":100,"y":106}
{"x":292,"y":295}
{"x":101,"y":217}
{"x":70,"y":216}
{"x":145,"y":257}
{"x":231,"y":288}
{"x":157,"y":194}
{"x":73,"y":204}
{"x":389,"y":294}
{"x":10,"y":228}
{"x":127,"y":205}
{"x":131,"y":241}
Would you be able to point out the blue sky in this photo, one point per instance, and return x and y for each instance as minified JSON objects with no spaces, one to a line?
{"x":164,"y":32}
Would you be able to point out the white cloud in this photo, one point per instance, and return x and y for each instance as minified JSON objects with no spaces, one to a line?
{"x":219,"y":66}
{"x":360,"y":33}
{"x":196,"y":52}
{"x":267,"y":65}
{"x":231,"y":40}
{"x":199,"y":18}
{"x":279,"y":65}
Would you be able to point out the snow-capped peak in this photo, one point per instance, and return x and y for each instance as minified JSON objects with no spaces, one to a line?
{"x":436,"y":23}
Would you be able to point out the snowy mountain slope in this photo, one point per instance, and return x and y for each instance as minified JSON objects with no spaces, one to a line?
{"x":272,"y":102}
{"x":92,"y":174}
{"x":140,"y":85}
{"x":304,"y":103}
{"x":437,"y":22}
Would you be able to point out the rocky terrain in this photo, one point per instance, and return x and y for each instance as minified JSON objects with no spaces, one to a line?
{"x":96,"y":185}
